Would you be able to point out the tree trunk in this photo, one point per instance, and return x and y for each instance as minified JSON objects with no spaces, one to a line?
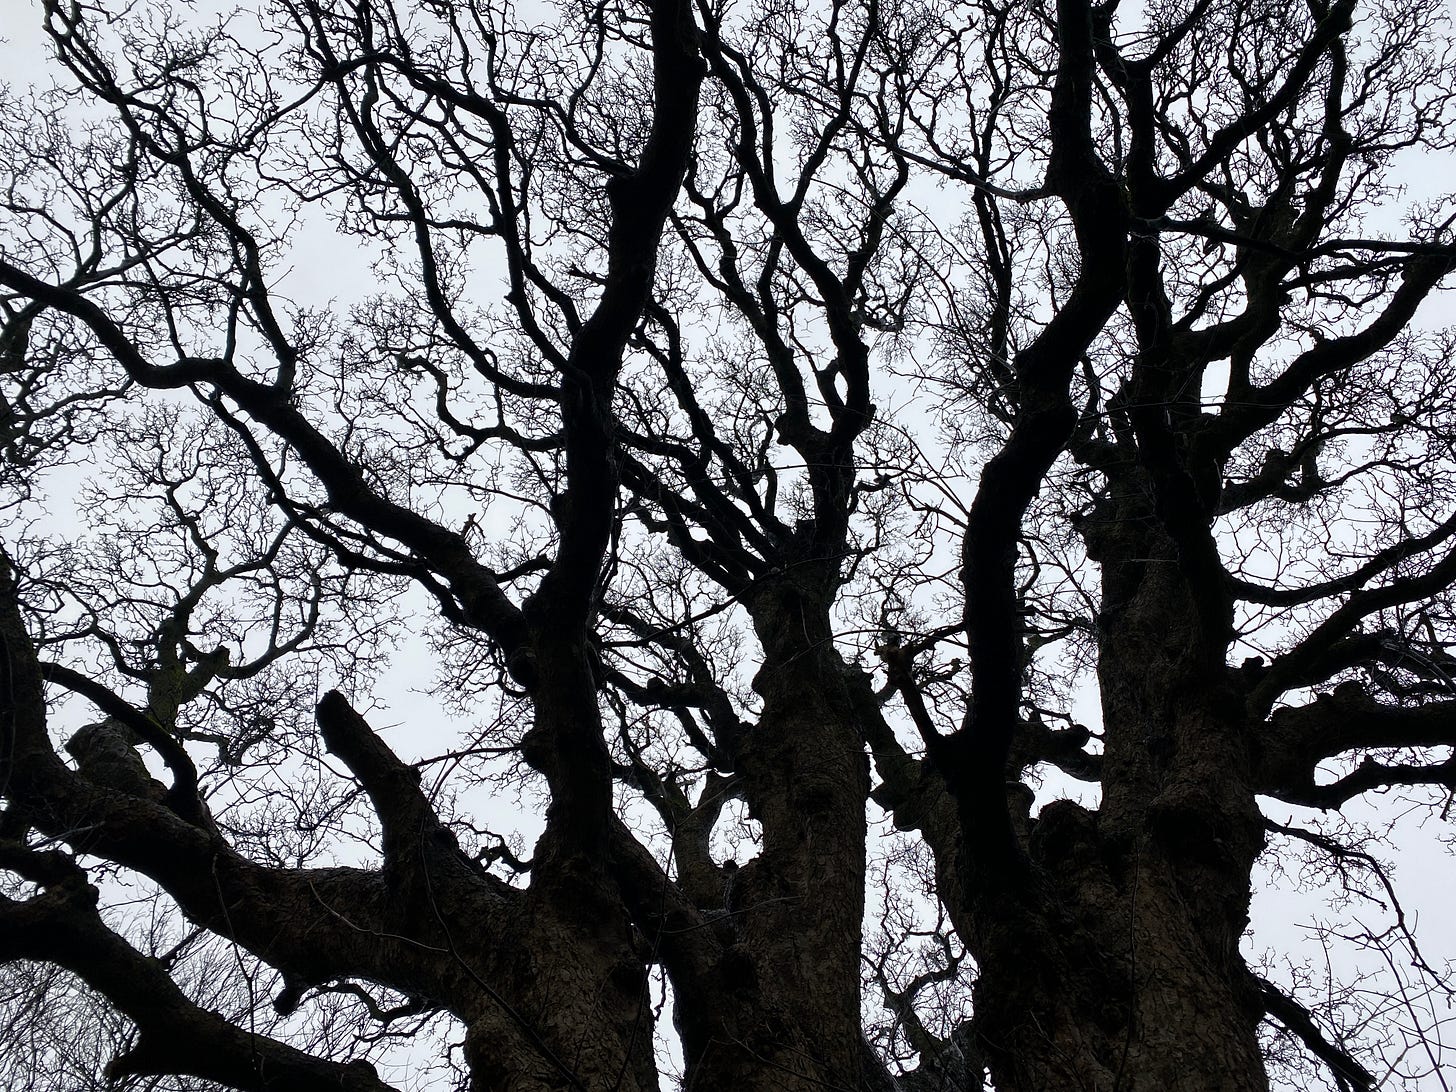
{"x":1117,"y":965}
{"x":797,"y":908}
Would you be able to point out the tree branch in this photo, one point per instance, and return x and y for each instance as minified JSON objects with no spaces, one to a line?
{"x":62,"y":926}
{"x":1296,"y":740}
{"x":1350,"y":1075}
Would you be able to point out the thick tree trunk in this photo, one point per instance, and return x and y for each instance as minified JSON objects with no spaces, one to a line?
{"x":1124,"y":989}
{"x":797,"y":908}
{"x":1116,"y":964}
{"x":564,"y":1003}
{"x":569,"y":1010}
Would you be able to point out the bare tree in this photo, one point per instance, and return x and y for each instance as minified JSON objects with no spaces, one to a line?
{"x":780,"y":421}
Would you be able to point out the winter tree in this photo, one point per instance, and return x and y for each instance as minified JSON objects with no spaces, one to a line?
{"x":917,"y":512}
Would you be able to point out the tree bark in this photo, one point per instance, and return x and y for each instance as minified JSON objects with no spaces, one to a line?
{"x":1120,"y":968}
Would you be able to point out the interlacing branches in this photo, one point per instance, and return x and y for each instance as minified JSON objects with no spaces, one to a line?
{"x":903,"y":498}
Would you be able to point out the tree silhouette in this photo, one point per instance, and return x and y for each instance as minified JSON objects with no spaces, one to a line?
{"x":779,"y":422}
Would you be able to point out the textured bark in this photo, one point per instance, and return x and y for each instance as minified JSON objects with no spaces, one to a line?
{"x":790,"y":958}
{"x":1134,"y":921}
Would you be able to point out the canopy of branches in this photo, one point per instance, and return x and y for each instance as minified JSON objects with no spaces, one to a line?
{"x":906,"y":516}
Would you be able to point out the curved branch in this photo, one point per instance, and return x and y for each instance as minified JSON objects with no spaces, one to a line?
{"x":1295,"y":741}
{"x":973,"y":759}
{"x":183,"y":797}
{"x":1350,"y":1075}
{"x":482,"y":598}
{"x":175,"y":1036}
{"x":314,"y":924}
{"x":1296,"y":663}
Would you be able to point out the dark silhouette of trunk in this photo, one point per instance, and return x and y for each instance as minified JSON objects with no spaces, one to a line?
{"x":1124,"y":968}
